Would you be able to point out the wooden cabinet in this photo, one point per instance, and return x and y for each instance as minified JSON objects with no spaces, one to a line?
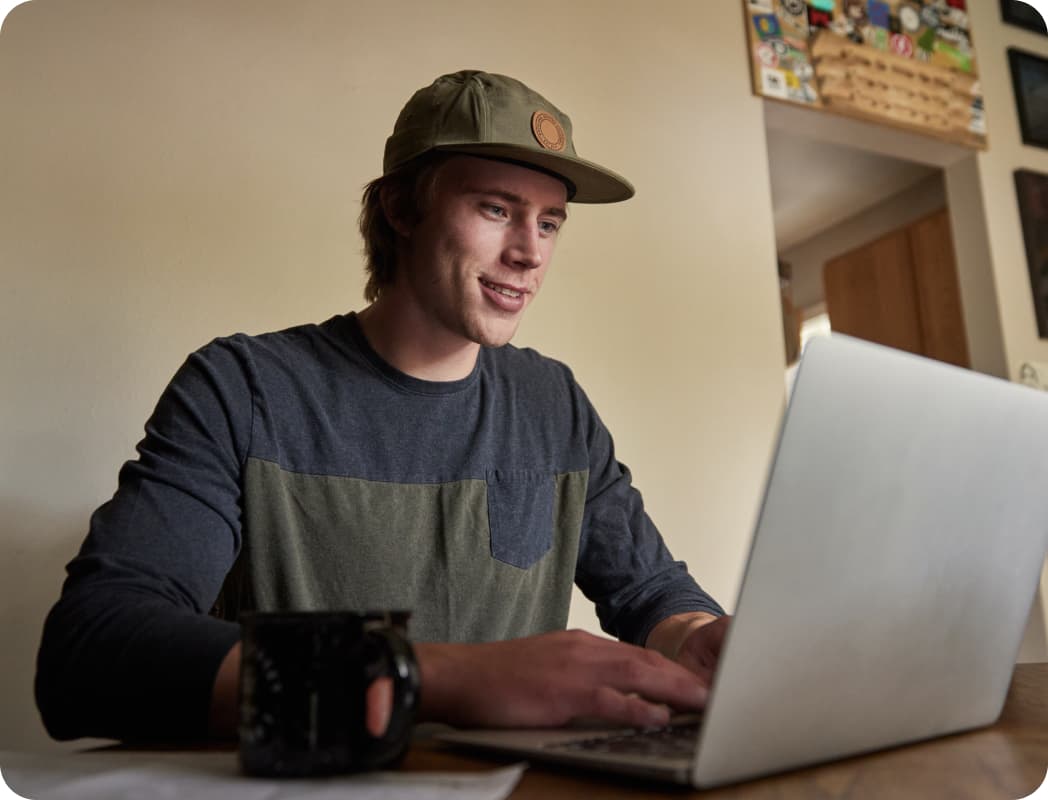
{"x":901,"y":290}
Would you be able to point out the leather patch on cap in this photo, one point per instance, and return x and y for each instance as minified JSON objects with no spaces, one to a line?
{"x":548,"y":131}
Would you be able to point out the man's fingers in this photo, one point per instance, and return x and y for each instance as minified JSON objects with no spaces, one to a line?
{"x":654,"y":677}
{"x":629,"y":709}
{"x":379,"y":706}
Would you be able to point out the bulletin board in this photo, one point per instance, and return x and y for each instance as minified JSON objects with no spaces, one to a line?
{"x":906,"y":63}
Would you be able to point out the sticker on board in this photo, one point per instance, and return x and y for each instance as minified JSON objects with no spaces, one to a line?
{"x":767,"y":26}
{"x":773,"y":81}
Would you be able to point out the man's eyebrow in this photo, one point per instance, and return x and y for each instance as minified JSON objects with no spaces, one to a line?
{"x":554,"y":211}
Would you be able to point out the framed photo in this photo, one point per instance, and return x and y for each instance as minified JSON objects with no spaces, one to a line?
{"x":1018,"y":13}
{"x":1032,"y":191}
{"x":1030,"y":81}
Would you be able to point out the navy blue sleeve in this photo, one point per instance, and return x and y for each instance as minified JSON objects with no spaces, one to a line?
{"x":129,"y":651}
{"x":624,"y":566}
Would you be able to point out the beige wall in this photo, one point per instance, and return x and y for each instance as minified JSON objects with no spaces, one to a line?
{"x":995,"y":170}
{"x":170,"y":172}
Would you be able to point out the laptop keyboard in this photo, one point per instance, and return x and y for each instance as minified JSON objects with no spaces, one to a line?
{"x":677,"y":741}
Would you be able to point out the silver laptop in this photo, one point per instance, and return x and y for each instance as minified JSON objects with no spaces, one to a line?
{"x":896,"y":557}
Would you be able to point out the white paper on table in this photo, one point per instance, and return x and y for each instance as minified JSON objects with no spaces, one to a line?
{"x":216,"y":776}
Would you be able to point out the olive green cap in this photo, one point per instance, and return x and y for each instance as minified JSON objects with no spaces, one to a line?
{"x":494,"y":116}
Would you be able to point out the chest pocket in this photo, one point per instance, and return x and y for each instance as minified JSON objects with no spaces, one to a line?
{"x":520,"y":515}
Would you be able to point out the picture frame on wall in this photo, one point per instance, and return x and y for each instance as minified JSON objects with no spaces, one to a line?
{"x":1032,"y":193}
{"x":1015,"y":12}
{"x":1030,"y":82}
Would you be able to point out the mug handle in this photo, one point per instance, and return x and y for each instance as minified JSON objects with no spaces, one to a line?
{"x":396,"y":660}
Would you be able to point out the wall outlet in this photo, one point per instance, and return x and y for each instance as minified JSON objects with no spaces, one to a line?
{"x":1033,"y":373}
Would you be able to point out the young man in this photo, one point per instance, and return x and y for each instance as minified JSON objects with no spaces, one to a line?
{"x":402,"y":457}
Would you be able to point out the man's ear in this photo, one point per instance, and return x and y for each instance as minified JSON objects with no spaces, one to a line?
{"x":392,"y":209}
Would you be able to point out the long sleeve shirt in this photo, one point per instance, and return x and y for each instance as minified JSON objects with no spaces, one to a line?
{"x":297,"y":470}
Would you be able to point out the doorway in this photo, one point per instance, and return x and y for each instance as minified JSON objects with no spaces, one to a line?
{"x":869,"y":214}
{"x":844,"y":221}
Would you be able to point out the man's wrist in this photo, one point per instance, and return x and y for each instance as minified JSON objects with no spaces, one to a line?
{"x":438,"y":669}
{"x":669,"y":635}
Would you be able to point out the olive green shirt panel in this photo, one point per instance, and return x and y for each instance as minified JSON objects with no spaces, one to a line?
{"x":324,"y":542}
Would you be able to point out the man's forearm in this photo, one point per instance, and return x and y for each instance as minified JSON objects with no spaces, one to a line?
{"x":544,"y":681}
{"x":437,"y":667}
{"x":116,"y":663}
{"x":437,"y":663}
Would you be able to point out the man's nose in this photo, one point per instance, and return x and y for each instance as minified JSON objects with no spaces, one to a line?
{"x":524,"y":250}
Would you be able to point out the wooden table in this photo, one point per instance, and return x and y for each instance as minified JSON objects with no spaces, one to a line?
{"x":1005,"y":761}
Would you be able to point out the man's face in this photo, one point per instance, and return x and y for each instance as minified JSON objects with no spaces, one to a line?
{"x":477,"y":258}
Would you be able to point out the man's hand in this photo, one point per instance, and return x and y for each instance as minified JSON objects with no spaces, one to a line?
{"x":701,"y":648}
{"x":692,"y":640}
{"x":551,"y":679}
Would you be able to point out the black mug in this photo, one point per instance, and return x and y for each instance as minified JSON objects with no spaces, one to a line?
{"x":303,"y":680}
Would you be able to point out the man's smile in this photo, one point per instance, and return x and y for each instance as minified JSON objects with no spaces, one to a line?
{"x":503,"y":289}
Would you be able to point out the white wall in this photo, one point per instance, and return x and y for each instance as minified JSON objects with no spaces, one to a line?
{"x":170,"y":172}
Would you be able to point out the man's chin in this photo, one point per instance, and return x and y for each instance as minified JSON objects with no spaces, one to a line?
{"x":493,"y":341}
{"x":495,"y":337}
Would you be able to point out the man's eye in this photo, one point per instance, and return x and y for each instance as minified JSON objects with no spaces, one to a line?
{"x":548,"y":227}
{"x":494,"y":210}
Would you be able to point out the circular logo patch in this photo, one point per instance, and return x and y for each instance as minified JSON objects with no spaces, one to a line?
{"x":548,"y":131}
{"x":909,"y":19}
{"x":902,"y":44}
{"x":767,"y":55}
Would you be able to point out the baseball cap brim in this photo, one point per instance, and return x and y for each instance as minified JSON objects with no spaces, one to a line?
{"x":591,"y":182}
